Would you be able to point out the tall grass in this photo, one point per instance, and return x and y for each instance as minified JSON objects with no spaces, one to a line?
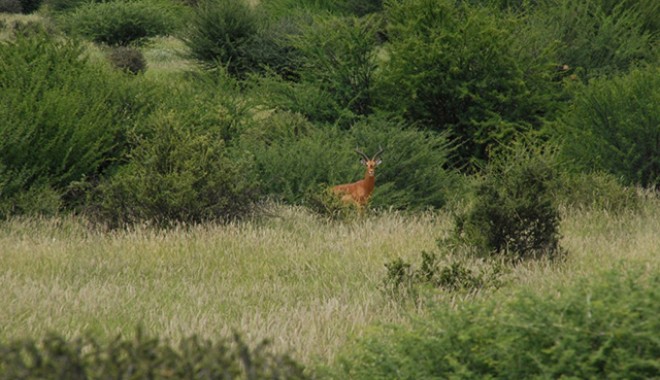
{"x":308,"y":284}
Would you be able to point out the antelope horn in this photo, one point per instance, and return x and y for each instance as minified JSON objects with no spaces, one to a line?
{"x":379,"y":152}
{"x":358,"y":151}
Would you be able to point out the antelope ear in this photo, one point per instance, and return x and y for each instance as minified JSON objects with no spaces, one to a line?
{"x":363,"y":162}
{"x":378,"y":161}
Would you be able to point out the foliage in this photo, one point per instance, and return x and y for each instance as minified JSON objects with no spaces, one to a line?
{"x":338,"y":55}
{"x":221,"y":31}
{"x":596,"y":190}
{"x":412,"y":174}
{"x":598,"y":327}
{"x":334,"y":7}
{"x":55,"y":357}
{"x":61,"y":120}
{"x":128,"y":59}
{"x":613,"y":127}
{"x":29,"y":6}
{"x":515,"y":213}
{"x":10,"y":6}
{"x":177,"y":174}
{"x":403,"y":281}
{"x":596,"y":38}
{"x":461,"y":69}
{"x":122,"y":22}
{"x":57,"y":6}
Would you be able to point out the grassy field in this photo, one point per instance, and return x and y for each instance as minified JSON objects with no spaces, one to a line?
{"x":307,"y":284}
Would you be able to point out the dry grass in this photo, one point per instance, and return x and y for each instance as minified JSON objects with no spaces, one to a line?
{"x":307,"y":284}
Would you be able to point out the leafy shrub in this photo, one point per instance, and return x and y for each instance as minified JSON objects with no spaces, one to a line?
{"x":461,"y":69}
{"x":600,"y":327}
{"x":10,"y":6}
{"x":338,"y":55}
{"x":596,"y":38}
{"x":178,"y":174}
{"x":62,"y":119}
{"x":121,"y":22}
{"x":596,"y":190}
{"x":515,"y":213}
{"x":403,"y":280}
{"x":55,"y":357}
{"x":29,"y":6}
{"x":57,"y":6}
{"x":128,"y":59}
{"x":412,"y":174}
{"x":613,"y":127}
{"x":221,"y":31}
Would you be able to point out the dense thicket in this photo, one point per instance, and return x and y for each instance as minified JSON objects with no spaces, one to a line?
{"x":287,"y":90}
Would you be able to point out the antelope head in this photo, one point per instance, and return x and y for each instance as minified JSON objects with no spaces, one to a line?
{"x":370,"y":163}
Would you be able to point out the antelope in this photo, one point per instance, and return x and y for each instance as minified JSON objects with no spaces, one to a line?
{"x":358,"y":193}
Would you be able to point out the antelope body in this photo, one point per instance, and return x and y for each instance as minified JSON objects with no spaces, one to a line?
{"x":359,"y":192}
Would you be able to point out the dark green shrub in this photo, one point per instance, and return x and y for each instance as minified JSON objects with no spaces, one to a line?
{"x":176,"y":174}
{"x":402,"y":280}
{"x":220,"y":33}
{"x":29,"y":6}
{"x":613,"y":127}
{"x":122,"y":22}
{"x":464,"y":70}
{"x":10,"y":6}
{"x":61,"y":119}
{"x":598,"y":327}
{"x":143,"y":357}
{"x":56,"y":6}
{"x":515,"y":213}
{"x":128,"y":59}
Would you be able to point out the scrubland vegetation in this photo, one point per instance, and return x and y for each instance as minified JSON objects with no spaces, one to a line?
{"x":164,"y":168}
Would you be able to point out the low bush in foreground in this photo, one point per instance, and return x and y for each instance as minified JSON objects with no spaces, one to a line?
{"x":600,"y":327}
{"x":515,"y":213}
{"x":55,"y":357}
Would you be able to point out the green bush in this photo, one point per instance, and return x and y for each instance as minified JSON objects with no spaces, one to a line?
{"x":128,"y":59}
{"x":600,"y":327}
{"x":596,"y":38}
{"x":338,"y":56}
{"x":221,"y":32}
{"x":412,"y":174}
{"x":595,"y":190}
{"x":122,"y":22}
{"x":403,"y":281}
{"x":465,"y":70}
{"x":62,"y":120}
{"x":55,"y":357}
{"x":176,"y":173}
{"x":29,"y":6}
{"x":515,"y":213}
{"x":57,"y":6}
{"x":613,"y":127}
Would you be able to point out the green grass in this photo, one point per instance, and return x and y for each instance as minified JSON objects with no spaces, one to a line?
{"x":309,"y":285}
